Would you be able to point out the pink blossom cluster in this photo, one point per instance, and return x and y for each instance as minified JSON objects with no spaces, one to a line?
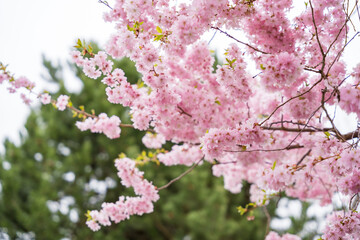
{"x":4,"y":77}
{"x":258,"y":195}
{"x":25,"y":99}
{"x":22,"y":82}
{"x":61,"y":102}
{"x":151,"y":140}
{"x":275,"y":236}
{"x":126,"y":206}
{"x":268,"y":128}
{"x":181,"y":155}
{"x":280,"y":71}
{"x":45,"y":98}
{"x":278,"y":177}
{"x":123,"y":93}
{"x":218,"y":141}
{"x":350,"y":98}
{"x":356,"y":74}
{"x":102,"y":124}
{"x":16,"y":83}
{"x":346,"y":171}
{"x":342,"y":225}
{"x":233,"y":77}
{"x":304,"y":106}
{"x":233,"y":174}
{"x":93,"y":67}
{"x":329,"y":19}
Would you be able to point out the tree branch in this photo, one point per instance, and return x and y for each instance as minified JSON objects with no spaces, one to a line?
{"x":246,"y":44}
{"x":316,"y":30}
{"x":180,"y":176}
{"x":303,"y":157}
{"x":296,"y":146}
{"x":106,"y":4}
{"x":123,"y":125}
{"x":299,"y":95}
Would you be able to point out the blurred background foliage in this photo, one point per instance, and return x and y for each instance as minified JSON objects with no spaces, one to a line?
{"x":57,"y":173}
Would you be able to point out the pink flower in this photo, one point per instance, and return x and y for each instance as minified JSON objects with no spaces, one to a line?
{"x":103,"y":124}
{"x":93,"y":225}
{"x":153,"y":140}
{"x":45,"y":98}
{"x":62,"y":102}
{"x":26,"y":100}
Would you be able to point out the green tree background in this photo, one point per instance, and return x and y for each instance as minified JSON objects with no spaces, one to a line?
{"x":57,"y":173}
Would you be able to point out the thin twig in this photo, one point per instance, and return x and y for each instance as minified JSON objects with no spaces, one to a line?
{"x":303,"y":157}
{"x":212,"y":37}
{"x":268,"y":220}
{"x":246,"y":44}
{"x":106,"y":4}
{"x":299,"y":95}
{"x":316,"y":30}
{"x":182,"y":111}
{"x":324,"y":91}
{"x":180,"y":176}
{"x":296,"y":146}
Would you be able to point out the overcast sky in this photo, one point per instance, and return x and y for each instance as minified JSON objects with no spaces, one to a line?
{"x":32,"y":28}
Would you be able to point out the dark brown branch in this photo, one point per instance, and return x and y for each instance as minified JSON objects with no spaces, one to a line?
{"x":338,"y":135}
{"x":182,"y":111}
{"x":312,"y":70}
{"x":351,"y":135}
{"x":286,"y":129}
{"x":354,"y":202}
{"x":344,"y":137}
{"x":303,"y":157}
{"x":244,"y":43}
{"x":180,"y":176}
{"x":296,"y":146}
{"x":298,"y":124}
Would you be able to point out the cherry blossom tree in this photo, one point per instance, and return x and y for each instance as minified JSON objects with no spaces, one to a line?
{"x":271,"y":125}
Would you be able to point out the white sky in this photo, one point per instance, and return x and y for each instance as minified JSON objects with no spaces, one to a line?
{"x":32,"y":28}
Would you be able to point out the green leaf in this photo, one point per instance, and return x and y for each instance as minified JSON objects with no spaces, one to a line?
{"x":217,"y":102}
{"x":262,"y":67}
{"x":158,"y":29}
{"x":88,"y":216}
{"x":241,"y":210}
{"x":327,"y":134}
{"x":90,"y":49}
{"x":158,"y":37}
{"x":273,"y":166}
{"x":79,"y":42}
